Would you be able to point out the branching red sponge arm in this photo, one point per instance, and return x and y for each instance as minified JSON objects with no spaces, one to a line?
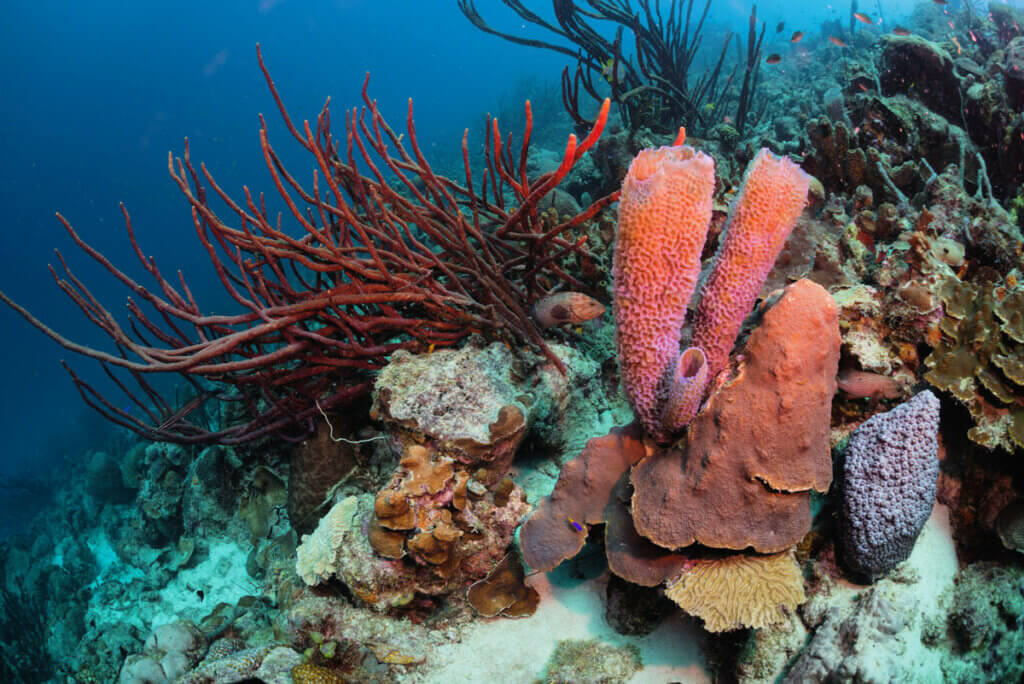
{"x":774,"y":193}
{"x":664,"y":213}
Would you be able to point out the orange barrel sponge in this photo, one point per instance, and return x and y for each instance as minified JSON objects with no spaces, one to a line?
{"x":664,"y":213}
{"x":774,"y":193}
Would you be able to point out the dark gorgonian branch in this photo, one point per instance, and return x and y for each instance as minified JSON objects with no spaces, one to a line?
{"x":653,"y":85}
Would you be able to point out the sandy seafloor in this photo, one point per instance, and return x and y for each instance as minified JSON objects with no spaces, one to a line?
{"x":516,"y":651}
{"x":572,"y":606}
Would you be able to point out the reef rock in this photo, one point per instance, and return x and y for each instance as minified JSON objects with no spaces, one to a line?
{"x":468,"y":402}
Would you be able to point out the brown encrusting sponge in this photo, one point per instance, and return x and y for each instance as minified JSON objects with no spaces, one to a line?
{"x":759,"y":445}
{"x":557,"y":528}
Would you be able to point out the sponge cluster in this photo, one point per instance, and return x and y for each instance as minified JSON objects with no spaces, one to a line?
{"x":890,"y":477}
{"x":664,"y":213}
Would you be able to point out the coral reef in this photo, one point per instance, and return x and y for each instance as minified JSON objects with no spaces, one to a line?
{"x":842,"y":645}
{"x":987,"y":624}
{"x":1010,"y":525}
{"x":591,"y":662}
{"x":468,"y":403}
{"x":892,"y":630}
{"x":979,"y":357}
{"x":422,"y":424}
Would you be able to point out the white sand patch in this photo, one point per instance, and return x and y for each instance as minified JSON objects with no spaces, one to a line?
{"x":110,"y":565}
{"x":221,"y":578}
{"x":933,"y":561}
{"x":934,"y":556}
{"x":514,"y":651}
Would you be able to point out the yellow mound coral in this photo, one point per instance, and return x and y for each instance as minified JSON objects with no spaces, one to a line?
{"x":739,"y":590}
{"x":314,"y":674}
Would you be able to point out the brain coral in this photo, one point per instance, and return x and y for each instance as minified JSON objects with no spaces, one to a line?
{"x":890,"y":477}
{"x":739,"y":590}
{"x":664,"y":215}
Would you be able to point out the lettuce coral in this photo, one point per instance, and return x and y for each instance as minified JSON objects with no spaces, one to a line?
{"x":978,"y":357}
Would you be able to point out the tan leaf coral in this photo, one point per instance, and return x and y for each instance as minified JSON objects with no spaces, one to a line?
{"x":739,"y":590}
{"x":979,"y":357}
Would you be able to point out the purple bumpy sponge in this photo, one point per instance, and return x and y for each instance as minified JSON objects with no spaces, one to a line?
{"x":890,"y":476}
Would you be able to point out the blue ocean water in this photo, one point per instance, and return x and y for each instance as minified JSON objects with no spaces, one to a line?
{"x":95,"y":94}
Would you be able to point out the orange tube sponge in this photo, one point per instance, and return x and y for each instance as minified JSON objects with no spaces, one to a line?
{"x":686,"y":391}
{"x":664,"y":213}
{"x":773,"y":195}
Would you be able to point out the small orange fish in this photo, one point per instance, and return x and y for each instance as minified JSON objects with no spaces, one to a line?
{"x":863,"y":18}
{"x":857,"y":383}
{"x":773,"y":58}
{"x":838,"y":42}
{"x":862,"y":87}
{"x":566,"y":307}
{"x":900,"y":31}
{"x":797,"y":37}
